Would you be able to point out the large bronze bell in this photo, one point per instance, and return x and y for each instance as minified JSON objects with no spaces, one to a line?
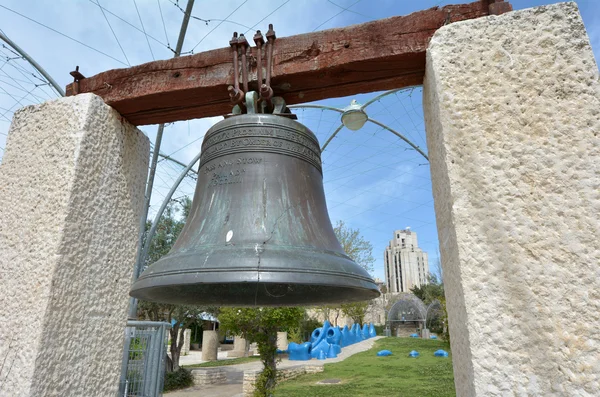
{"x":258,"y":233}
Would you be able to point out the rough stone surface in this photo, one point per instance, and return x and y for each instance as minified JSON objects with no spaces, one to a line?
{"x":240,"y":347}
{"x":209,"y":376}
{"x":250,"y":376}
{"x":513,"y":119}
{"x":210,"y":345}
{"x":187,"y":335}
{"x":71,"y":193}
{"x":282,"y":340}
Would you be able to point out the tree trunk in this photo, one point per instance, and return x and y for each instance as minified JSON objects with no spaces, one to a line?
{"x":169,"y":364}
{"x":268,"y":355}
{"x":175,"y":351}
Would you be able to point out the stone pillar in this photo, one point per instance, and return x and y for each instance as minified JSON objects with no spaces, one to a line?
{"x":210,"y":345}
{"x":512,"y":110}
{"x":282,"y":341}
{"x":71,"y":194}
{"x":240,"y":347}
{"x":185,"y":349}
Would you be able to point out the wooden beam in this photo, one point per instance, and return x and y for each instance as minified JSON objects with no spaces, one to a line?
{"x":373,"y":56}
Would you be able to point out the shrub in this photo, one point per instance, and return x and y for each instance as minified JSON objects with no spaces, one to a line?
{"x":178,"y":380}
{"x":379,"y":329}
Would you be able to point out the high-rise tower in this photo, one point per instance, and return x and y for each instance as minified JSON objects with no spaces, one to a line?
{"x":406,"y":264}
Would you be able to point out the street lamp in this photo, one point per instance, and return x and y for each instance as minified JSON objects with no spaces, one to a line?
{"x":354,"y":117}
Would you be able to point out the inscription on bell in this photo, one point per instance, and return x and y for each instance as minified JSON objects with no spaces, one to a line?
{"x":233,"y":141}
{"x":231,"y":162}
{"x":227,"y":178}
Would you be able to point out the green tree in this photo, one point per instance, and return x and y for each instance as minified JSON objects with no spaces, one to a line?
{"x":355,"y":246}
{"x":361,"y":252}
{"x":356,"y":311}
{"x":167,"y":231}
{"x":261,"y":325}
{"x":430,"y":293}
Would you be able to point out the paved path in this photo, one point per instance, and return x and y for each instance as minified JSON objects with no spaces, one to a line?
{"x":235,"y":373}
{"x":195,"y":357}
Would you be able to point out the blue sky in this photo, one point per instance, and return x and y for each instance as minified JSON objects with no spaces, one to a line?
{"x":373,"y":181}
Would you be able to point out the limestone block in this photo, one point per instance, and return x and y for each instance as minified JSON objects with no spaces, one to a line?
{"x":185,"y":349}
{"x":209,"y":376}
{"x":71,"y":193}
{"x":210,"y":345}
{"x":250,"y":376}
{"x":240,"y":347}
{"x":513,"y":120}
{"x":282,"y":340}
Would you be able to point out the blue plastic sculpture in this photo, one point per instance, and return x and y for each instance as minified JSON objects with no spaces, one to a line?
{"x":433,"y":337}
{"x":384,"y":353}
{"x":332,"y":353}
{"x":413,"y":354}
{"x":414,"y":335}
{"x":372,"y":332}
{"x":441,"y":353}
{"x":345,"y":340}
{"x":334,"y":337}
{"x":299,"y":352}
{"x":327,"y":341}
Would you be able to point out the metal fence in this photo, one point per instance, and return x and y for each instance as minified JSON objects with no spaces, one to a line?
{"x":142,"y":373}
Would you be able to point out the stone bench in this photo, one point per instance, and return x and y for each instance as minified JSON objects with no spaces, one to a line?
{"x":209,"y":376}
{"x":250,"y":376}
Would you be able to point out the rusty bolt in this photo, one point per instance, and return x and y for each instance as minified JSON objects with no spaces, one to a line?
{"x":236,"y":95}
{"x":258,"y":38}
{"x":242,"y":41}
{"x":271,"y":33}
{"x":234,"y":40}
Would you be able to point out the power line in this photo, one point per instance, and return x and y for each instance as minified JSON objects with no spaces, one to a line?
{"x":21,"y":88}
{"x":62,"y":34}
{"x":132,"y":25}
{"x":163,"y":23}
{"x":113,"y":32}
{"x":144,"y":29}
{"x":207,"y":21}
{"x":271,"y":13}
{"x":23,"y":97}
{"x":345,"y":9}
{"x":219,"y":24}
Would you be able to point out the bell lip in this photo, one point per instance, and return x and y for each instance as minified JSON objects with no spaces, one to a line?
{"x":190,"y":277}
{"x":199,"y":293}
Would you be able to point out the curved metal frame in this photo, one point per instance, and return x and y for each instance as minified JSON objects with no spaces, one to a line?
{"x":415,"y":301}
{"x":435,"y":303}
{"x":378,"y":97}
{"x":33,"y":63}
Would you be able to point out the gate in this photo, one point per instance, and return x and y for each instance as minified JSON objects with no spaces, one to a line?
{"x":143,"y":369}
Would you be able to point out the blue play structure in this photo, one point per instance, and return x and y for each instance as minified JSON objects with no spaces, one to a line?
{"x":441,"y":353}
{"x":413,"y":353}
{"x":328,"y":341}
{"x":384,"y":353}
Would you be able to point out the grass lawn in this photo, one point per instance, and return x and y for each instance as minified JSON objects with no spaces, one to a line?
{"x":366,"y":374}
{"x":220,"y":363}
